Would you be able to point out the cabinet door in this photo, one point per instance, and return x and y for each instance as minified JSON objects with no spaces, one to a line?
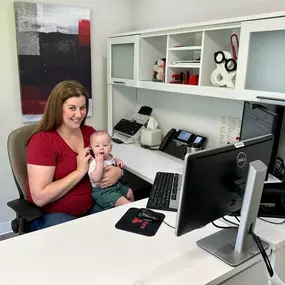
{"x":261,"y":61}
{"x":123,"y":59}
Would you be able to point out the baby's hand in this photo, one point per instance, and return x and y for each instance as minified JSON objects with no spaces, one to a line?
{"x":99,"y":157}
{"x":119,"y":163}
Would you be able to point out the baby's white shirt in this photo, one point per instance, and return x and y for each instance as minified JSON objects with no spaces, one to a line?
{"x":92,"y":165}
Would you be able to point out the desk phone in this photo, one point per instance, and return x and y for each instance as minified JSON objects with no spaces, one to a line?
{"x":175,"y":142}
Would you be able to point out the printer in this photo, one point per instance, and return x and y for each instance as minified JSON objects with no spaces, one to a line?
{"x":128,"y":129}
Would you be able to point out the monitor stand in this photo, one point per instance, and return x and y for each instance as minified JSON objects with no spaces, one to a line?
{"x":235,"y":246}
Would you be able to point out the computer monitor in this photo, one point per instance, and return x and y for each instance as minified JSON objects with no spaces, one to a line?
{"x":213,"y":181}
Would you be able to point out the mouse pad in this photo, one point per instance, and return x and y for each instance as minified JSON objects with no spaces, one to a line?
{"x":130,"y":223}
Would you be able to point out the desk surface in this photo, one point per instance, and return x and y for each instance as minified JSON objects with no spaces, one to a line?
{"x":145,"y":163}
{"x":91,"y":250}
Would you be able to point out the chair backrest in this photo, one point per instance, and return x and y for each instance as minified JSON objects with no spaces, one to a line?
{"x":16,"y":146}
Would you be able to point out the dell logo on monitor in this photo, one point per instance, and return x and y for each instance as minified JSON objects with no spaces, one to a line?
{"x":241,"y":159}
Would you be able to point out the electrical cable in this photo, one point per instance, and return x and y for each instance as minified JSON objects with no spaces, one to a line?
{"x":237,"y":218}
{"x":169,"y":225}
{"x":222,"y":227}
{"x":233,"y":223}
{"x":262,"y":251}
{"x":270,"y":222}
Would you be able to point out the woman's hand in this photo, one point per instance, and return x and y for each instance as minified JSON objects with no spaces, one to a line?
{"x":83,"y":159}
{"x":110,"y":176}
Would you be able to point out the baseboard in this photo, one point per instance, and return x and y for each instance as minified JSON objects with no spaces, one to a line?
{"x":5,"y":228}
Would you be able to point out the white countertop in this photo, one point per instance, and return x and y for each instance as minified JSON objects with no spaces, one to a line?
{"x":92,"y":250}
{"x":144,"y":162}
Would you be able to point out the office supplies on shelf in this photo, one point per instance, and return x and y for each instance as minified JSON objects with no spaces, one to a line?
{"x":225,"y":71}
{"x":234,"y":45}
{"x":159,"y":70}
{"x":175,"y":142}
{"x":181,"y":62}
{"x":165,"y":192}
{"x":128,"y":129}
{"x":131,"y":222}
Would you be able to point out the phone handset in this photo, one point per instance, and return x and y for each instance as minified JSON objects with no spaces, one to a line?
{"x":167,"y":138}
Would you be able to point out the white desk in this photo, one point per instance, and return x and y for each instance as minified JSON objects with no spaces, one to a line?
{"x":144,"y":162}
{"x":91,"y":250}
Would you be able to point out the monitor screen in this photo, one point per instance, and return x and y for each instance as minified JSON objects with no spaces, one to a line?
{"x":213,"y":181}
{"x":184,"y":136}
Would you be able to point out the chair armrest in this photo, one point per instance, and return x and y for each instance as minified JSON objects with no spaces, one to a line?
{"x":25,"y":209}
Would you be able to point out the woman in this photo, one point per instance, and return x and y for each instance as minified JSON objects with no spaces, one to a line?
{"x":57,"y":158}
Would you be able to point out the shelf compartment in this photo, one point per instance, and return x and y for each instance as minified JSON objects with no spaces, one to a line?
{"x":151,"y":50}
{"x":178,"y":41}
{"x":217,"y":40}
{"x":192,"y":70}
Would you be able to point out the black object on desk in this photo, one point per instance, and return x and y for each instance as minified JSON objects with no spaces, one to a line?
{"x":272,"y":204}
{"x":130,"y":222}
{"x":165,"y":192}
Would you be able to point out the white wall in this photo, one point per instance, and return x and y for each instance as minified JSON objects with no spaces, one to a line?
{"x":163,"y":13}
{"x":200,"y":115}
{"x":107,"y":18}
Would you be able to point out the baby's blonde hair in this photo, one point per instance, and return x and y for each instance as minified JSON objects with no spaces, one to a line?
{"x":99,"y":133}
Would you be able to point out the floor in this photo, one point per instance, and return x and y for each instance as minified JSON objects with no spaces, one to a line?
{"x":6,"y":236}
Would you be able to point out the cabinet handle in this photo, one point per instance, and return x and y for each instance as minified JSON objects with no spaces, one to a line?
{"x":119,"y":82}
{"x":282,"y":101}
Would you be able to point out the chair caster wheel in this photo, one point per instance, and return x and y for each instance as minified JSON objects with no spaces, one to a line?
{"x":15,"y":225}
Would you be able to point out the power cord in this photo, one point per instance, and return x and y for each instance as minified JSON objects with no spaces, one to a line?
{"x":222,"y":227}
{"x":235,"y":224}
{"x":262,"y":251}
{"x":275,"y":280}
{"x":270,"y":222}
{"x":169,"y":225}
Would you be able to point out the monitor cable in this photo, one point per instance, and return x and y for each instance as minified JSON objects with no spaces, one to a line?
{"x":272,"y":275}
{"x":169,"y":225}
{"x":223,"y":227}
{"x":270,"y":222}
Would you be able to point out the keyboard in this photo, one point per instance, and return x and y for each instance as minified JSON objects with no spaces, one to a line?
{"x":165,"y":192}
{"x":128,"y":127}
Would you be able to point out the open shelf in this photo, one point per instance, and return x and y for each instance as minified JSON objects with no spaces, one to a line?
{"x":185,"y":40}
{"x":216,"y":40}
{"x":152,"y":49}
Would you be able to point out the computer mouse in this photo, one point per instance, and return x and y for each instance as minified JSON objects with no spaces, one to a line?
{"x":147,"y":214}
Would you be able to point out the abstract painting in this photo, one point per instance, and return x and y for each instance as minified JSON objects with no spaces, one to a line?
{"x":53,"y":44}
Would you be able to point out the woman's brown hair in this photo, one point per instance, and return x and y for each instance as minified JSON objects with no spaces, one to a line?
{"x":52,"y":117}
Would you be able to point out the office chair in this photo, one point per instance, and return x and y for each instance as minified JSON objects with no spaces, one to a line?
{"x":25,"y":211}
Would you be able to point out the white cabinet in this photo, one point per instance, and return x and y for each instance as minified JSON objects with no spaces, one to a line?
{"x":123,"y":60}
{"x":260,"y":73}
{"x":189,"y":51}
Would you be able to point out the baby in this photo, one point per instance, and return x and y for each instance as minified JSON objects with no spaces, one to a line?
{"x":114,"y":195}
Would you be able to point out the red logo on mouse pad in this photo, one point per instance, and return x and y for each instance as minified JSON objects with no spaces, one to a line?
{"x":137,"y":220}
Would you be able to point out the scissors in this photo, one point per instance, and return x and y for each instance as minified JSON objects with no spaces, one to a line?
{"x":234,"y":46}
